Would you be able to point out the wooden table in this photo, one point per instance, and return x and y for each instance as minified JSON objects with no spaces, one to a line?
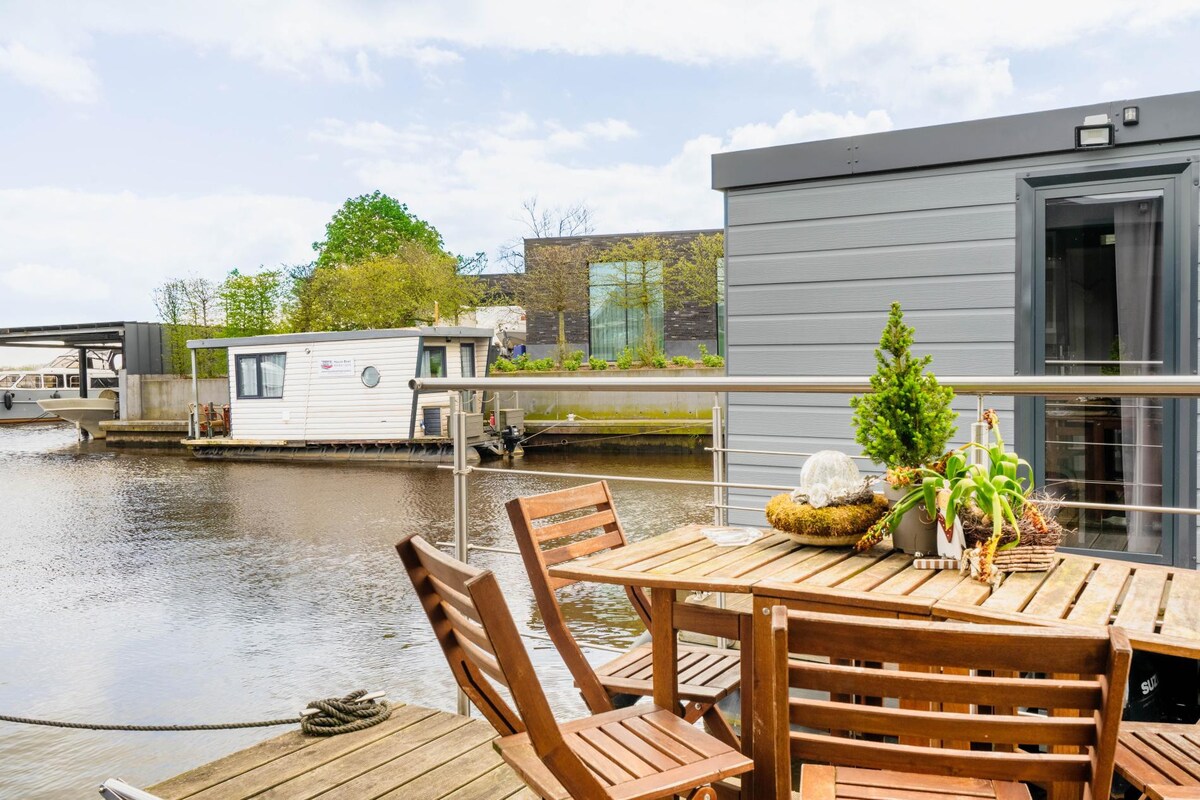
{"x":1158,"y":606}
{"x":1160,"y":759}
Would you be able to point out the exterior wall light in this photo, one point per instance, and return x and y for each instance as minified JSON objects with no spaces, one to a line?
{"x":1129,"y":115}
{"x":1088,"y":137}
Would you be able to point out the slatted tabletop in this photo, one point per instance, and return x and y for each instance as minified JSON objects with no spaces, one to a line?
{"x":1152,"y":753}
{"x":1158,"y":606}
{"x":415,"y":753}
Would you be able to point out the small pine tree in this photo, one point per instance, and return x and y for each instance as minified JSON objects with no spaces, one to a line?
{"x":906,"y":420}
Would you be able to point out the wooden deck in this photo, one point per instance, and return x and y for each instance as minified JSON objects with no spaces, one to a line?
{"x":417,"y":754}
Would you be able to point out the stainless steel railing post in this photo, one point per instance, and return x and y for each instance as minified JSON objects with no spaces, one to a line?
{"x":720,"y":517}
{"x":458,"y":439}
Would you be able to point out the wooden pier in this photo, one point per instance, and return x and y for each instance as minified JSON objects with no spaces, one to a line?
{"x":417,"y":754}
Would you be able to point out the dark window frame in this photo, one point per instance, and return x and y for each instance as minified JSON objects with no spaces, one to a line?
{"x":421,"y":364}
{"x":258,"y":373}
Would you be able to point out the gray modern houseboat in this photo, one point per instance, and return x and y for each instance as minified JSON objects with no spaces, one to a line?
{"x":1054,"y":243}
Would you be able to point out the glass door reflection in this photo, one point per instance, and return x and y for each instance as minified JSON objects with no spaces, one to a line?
{"x":1104,"y":316}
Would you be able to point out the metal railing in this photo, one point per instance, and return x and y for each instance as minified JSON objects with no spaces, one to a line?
{"x":981,"y":387}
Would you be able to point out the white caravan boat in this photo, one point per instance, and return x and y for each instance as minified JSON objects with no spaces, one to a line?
{"x":22,"y":390}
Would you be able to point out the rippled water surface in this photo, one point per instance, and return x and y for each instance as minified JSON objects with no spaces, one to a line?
{"x":148,"y":588}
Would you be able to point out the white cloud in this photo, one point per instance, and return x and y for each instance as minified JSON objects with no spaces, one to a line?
{"x":64,"y":75}
{"x":470,"y":180}
{"x":101,"y":255}
{"x":42,"y":281}
{"x":917,"y":53}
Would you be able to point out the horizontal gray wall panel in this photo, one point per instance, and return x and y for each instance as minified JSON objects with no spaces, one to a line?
{"x":884,"y":196}
{"x":992,"y":358}
{"x":824,"y":427}
{"x":915,"y":294}
{"x":916,"y":227}
{"x":948,"y":326}
{"x":874,"y":263}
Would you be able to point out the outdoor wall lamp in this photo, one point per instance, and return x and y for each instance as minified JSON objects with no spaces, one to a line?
{"x":1129,"y":115}
{"x":1093,"y":136}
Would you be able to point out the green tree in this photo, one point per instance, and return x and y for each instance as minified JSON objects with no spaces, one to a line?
{"x":392,"y":291}
{"x":636,"y":267}
{"x":369,"y":226}
{"x":251,"y":302}
{"x":189,"y":309}
{"x":555,"y":281}
{"x":694,"y":276}
{"x":906,"y":420}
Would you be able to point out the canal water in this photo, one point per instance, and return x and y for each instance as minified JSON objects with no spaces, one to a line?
{"x":146,"y":589}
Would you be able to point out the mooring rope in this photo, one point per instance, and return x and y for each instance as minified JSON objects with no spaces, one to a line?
{"x":329,"y":717}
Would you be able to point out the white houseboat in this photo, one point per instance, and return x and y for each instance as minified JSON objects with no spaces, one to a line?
{"x":345,"y":394}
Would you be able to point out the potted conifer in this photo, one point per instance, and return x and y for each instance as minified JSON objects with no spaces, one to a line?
{"x":903,"y":425}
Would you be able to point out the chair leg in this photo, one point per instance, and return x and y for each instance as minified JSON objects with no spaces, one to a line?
{"x":716,"y":724}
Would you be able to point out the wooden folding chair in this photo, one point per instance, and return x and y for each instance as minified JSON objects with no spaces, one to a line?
{"x":705,"y":674}
{"x":1162,"y":755}
{"x":866,"y":727}
{"x":638,"y":752}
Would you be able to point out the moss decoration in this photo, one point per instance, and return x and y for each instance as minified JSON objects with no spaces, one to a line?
{"x":831,"y":522}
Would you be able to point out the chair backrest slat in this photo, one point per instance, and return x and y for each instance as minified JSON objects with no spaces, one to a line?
{"x":524,"y":512}
{"x":1085,"y":695}
{"x":942,"y":698}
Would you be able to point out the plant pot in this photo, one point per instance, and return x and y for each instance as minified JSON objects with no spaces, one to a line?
{"x":916,"y":533}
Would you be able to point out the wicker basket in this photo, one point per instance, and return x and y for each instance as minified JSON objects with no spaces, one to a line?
{"x":1034,"y":552}
{"x":831,"y":526}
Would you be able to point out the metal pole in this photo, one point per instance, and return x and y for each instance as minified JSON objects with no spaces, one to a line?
{"x":193,"y":423}
{"x":458,"y":438}
{"x":979,"y":433}
{"x":718,"y":443}
{"x":83,"y":376}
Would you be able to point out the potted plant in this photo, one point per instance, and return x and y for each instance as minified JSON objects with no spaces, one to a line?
{"x":904,"y":425}
{"x":1010,"y":530}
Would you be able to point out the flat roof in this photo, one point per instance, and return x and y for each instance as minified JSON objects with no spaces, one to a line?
{"x":98,"y":335}
{"x":616,"y":237}
{"x":341,"y":336}
{"x":1162,"y":118}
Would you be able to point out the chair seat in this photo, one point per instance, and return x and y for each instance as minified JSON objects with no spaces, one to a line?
{"x":1153,"y":753}
{"x":818,"y":782}
{"x":636,"y":752}
{"x":706,"y":674}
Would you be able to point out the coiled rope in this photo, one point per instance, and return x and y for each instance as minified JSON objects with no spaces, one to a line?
{"x":354,"y":712}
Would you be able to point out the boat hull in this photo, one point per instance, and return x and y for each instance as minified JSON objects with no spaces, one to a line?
{"x":24,"y":404}
{"x":86,"y":412}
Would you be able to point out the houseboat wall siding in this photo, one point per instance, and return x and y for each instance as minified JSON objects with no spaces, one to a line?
{"x":323,"y":407}
{"x":453,"y":370}
{"x":812,"y":267}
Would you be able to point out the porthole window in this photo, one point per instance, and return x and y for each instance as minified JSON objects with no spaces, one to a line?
{"x":370,"y":377}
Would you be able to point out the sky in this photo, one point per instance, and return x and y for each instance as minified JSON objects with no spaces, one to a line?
{"x":142,"y":141}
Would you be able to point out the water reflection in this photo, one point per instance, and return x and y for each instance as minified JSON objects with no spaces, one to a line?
{"x":149,"y":588}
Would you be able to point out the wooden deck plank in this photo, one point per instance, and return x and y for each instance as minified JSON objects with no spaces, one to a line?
{"x":449,"y":777}
{"x":1095,"y":605}
{"x":408,"y":721}
{"x":1181,"y":618}
{"x":399,"y":771}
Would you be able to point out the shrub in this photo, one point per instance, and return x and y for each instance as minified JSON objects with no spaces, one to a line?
{"x":659,"y":361}
{"x":683,"y":361}
{"x":598,"y":364}
{"x":647,"y":353}
{"x":576,"y":356}
{"x":625,"y":360}
{"x":504,"y":365}
{"x":570,"y":365}
{"x":542,"y":364}
{"x":521,"y":362}
{"x":906,"y":420}
{"x":710,"y":360}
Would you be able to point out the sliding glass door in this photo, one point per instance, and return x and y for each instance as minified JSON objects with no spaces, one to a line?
{"x":1107,"y":298}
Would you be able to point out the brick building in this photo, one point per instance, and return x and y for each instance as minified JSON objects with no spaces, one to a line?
{"x":604,"y":330}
